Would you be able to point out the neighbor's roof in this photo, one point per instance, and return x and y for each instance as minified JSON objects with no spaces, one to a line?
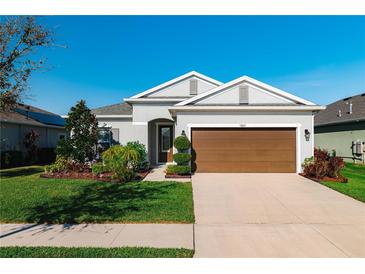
{"x":339,"y":112}
{"x":29,"y":115}
{"x":116,"y":109}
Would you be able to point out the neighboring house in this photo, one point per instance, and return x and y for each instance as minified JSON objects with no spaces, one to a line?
{"x":240,"y":126}
{"x":16,"y":124}
{"x":341,"y":126}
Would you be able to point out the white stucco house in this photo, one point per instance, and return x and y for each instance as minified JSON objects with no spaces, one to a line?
{"x":240,"y":126}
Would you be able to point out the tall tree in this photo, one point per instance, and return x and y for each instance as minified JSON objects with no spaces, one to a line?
{"x":82,"y":126}
{"x":20,"y":37}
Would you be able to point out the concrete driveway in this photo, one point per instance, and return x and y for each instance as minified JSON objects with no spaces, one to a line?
{"x":274,"y":215}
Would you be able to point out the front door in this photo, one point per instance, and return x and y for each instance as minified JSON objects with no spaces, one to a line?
{"x":164,"y":143}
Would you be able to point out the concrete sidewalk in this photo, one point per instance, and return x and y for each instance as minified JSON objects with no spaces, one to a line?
{"x":98,"y":235}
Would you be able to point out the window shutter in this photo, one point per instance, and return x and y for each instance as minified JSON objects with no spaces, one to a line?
{"x":193,"y":87}
{"x":115,"y":134}
{"x":243,"y":94}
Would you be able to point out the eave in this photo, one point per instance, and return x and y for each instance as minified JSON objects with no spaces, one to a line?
{"x":173,"y":110}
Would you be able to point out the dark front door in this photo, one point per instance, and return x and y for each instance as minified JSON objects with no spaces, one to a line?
{"x":164,"y":143}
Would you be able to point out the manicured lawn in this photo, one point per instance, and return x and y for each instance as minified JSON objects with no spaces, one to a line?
{"x":24,"y":197}
{"x":355,"y":187}
{"x":91,"y":252}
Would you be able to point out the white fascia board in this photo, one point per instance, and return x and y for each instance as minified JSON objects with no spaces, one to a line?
{"x":178,"y":79}
{"x":152,"y":100}
{"x":113,"y":116}
{"x":249,"y":80}
{"x":177,"y":108}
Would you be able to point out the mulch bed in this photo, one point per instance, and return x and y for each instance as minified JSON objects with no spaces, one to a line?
{"x":104,"y":177}
{"x":175,"y":176}
{"x":340,"y":179}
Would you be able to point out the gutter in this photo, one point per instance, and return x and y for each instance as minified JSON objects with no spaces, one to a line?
{"x":30,"y":124}
{"x":153,"y":100}
{"x":340,"y":122}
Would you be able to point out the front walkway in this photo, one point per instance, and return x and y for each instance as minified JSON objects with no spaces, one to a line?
{"x":274,"y":215}
{"x":158,"y":174}
{"x":98,"y":235}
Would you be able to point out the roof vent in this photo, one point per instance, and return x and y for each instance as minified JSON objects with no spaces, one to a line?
{"x":339,"y":113}
{"x":350,"y":108}
{"x":348,"y":98}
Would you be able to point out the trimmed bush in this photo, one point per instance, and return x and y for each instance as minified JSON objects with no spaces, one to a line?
{"x":182,"y":158}
{"x":182,"y":143}
{"x":178,"y":170}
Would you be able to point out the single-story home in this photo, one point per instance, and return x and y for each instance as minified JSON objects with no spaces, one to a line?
{"x":341,"y":127}
{"x":240,"y":126}
{"x":16,"y":124}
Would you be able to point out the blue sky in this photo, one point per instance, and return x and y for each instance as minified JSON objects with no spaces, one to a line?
{"x":109,"y":58}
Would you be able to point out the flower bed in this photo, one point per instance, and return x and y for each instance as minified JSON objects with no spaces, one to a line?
{"x":324,"y":167}
{"x":104,"y":177}
{"x":339,"y":179}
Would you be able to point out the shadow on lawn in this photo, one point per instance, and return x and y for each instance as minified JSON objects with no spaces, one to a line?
{"x":9,"y":173}
{"x":97,"y":202}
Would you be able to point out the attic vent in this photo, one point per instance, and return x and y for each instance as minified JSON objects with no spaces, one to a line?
{"x":193,"y":87}
{"x":243,"y":94}
{"x":339,"y":113}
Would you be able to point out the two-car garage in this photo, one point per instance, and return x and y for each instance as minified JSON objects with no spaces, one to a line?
{"x":255,"y":150}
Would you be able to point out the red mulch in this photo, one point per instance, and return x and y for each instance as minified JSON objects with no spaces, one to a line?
{"x":340,"y":179}
{"x":104,"y":177}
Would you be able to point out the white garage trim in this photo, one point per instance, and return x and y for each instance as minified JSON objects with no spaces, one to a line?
{"x":258,"y":125}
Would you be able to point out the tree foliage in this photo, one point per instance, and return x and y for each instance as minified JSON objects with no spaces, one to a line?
{"x":20,"y":37}
{"x":82,"y":127}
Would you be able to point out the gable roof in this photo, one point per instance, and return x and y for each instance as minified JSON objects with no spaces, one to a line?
{"x":29,"y":115}
{"x":176,"y":80}
{"x":115,"y":109}
{"x":331,"y":114}
{"x":247,"y":80}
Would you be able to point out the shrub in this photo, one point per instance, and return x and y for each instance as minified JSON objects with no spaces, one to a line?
{"x":142,"y":162}
{"x":30,"y":142}
{"x":182,"y":143}
{"x":11,"y":158}
{"x":182,"y":158}
{"x":323,"y":164}
{"x":335,"y":165}
{"x":98,"y":168}
{"x":60,"y":165}
{"x":119,"y":160}
{"x":46,"y":155}
{"x":178,"y":170}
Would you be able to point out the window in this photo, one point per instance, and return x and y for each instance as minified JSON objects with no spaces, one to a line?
{"x":104,"y":136}
{"x":165,"y":138}
{"x":193,"y":87}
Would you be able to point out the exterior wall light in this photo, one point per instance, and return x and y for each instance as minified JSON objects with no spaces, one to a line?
{"x":307,"y":134}
{"x":183,"y":133}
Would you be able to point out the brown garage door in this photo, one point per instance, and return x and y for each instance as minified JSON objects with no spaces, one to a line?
{"x":243,"y":150}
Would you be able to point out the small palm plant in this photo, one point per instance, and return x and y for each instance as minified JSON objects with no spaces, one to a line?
{"x":120,"y":161}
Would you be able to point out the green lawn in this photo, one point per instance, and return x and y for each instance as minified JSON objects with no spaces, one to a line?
{"x":355,"y":187}
{"x":94,"y":252}
{"x":24,"y":197}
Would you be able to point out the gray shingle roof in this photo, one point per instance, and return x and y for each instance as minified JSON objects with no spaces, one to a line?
{"x":116,"y":109}
{"x":26,"y":114}
{"x":339,"y":112}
